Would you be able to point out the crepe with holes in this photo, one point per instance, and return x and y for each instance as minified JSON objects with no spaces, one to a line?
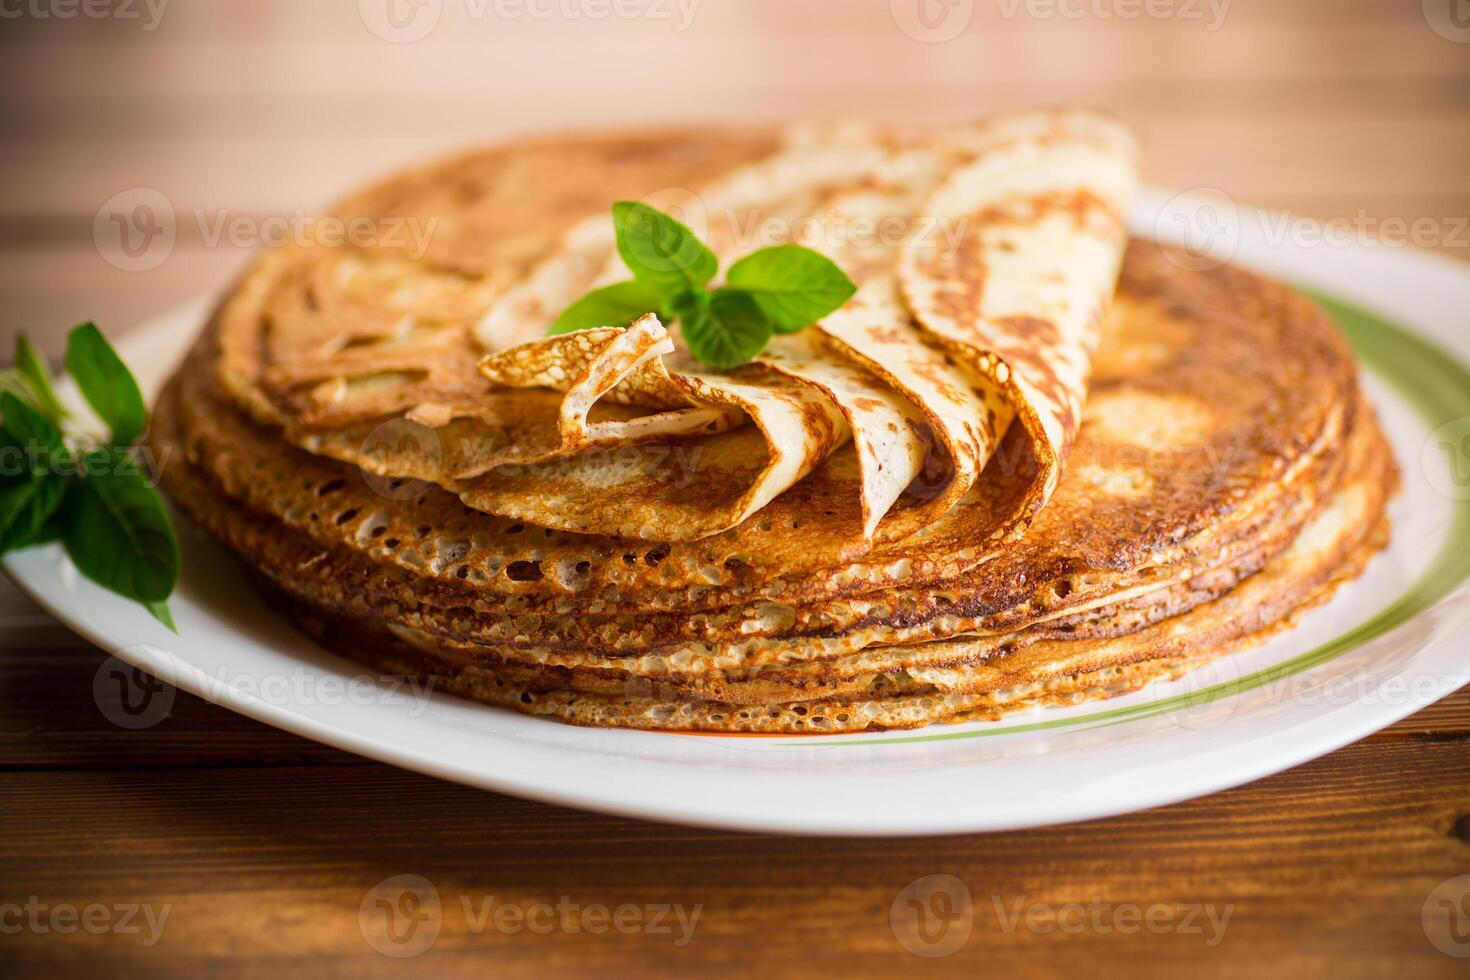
{"x":1230,"y":474}
{"x":332,"y":427}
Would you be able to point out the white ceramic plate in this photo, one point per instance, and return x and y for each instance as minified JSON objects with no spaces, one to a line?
{"x":1390,"y":643}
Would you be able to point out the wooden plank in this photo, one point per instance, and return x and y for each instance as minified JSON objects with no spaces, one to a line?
{"x":45,"y":115}
{"x":337,"y":52}
{"x":49,"y":289}
{"x":205,"y":161}
{"x":1444,"y":721}
{"x":1412,"y":152}
{"x":202,"y":19}
{"x":1323,"y":871}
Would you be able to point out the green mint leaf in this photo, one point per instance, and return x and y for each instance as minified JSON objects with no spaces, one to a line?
{"x":729,"y":333}
{"x":774,"y":290}
{"x":15,"y":463}
{"x":160,"y":612}
{"x":119,"y":533}
{"x":689,"y":303}
{"x":617,"y":305}
{"x":54,"y":527}
{"x":32,"y":367}
{"x":34,"y":470}
{"x":31,"y":432}
{"x":794,"y":286}
{"x":106,"y":383}
{"x":660,"y":251}
{"x":26,"y":508}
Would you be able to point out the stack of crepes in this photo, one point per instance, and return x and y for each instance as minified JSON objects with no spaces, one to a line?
{"x":1028,"y":462}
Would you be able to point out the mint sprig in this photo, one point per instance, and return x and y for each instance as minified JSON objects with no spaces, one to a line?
{"x":33,"y":371}
{"x":117,"y":529}
{"x":106,"y":383}
{"x":781,"y":289}
{"x":28,"y":497}
{"x":58,"y":485}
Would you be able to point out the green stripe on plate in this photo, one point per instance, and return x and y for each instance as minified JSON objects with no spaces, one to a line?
{"x":1437,"y":385}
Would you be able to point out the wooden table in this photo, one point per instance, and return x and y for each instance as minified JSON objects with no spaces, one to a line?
{"x":263,"y":848}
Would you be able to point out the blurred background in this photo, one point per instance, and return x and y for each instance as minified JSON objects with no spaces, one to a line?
{"x":200,"y":119}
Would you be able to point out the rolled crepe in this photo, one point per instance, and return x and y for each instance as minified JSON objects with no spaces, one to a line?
{"x":986,"y":309}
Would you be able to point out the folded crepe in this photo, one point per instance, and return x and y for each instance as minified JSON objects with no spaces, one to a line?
{"x":987,"y":309}
{"x":982,"y":310}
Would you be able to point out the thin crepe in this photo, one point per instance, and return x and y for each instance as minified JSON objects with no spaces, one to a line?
{"x":931,"y":385}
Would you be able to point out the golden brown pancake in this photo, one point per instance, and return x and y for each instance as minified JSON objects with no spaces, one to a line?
{"x":1223,"y":473}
